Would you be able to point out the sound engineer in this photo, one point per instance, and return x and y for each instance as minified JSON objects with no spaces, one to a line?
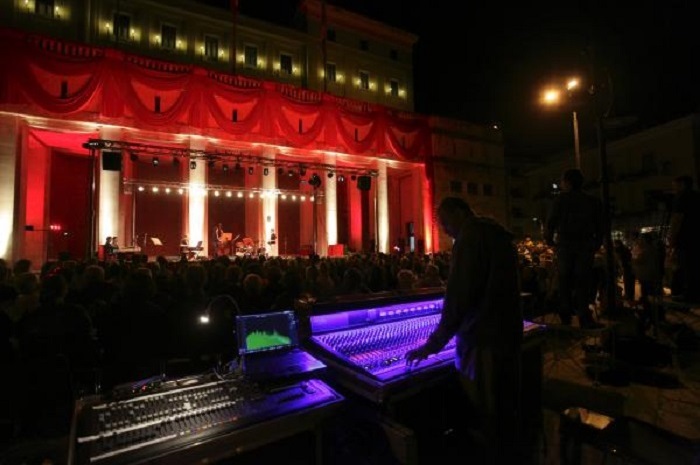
{"x":481,"y":308}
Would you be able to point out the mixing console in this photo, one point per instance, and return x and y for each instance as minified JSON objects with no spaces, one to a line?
{"x":380,"y":349}
{"x":366,"y":347}
{"x":159,"y":424}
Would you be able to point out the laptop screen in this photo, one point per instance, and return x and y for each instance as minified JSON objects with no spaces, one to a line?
{"x":266,"y":332}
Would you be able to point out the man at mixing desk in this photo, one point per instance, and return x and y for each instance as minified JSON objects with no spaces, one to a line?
{"x":481,"y":308}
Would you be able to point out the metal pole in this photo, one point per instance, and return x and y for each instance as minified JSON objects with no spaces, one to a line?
{"x":610,"y":285}
{"x":577,"y":145}
{"x":89,"y":252}
{"x":315,"y":231}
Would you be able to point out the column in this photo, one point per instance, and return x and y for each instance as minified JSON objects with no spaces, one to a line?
{"x":109,"y":223}
{"x":382,"y":208}
{"x":8,"y":162}
{"x":331,"y":201}
{"x":269,"y":207}
{"x":306,"y":220}
{"x":253,"y":205}
{"x":197,"y":215}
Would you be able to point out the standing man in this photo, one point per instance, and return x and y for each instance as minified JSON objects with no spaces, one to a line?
{"x":576,"y":218}
{"x":684,"y":240}
{"x":482,"y":308}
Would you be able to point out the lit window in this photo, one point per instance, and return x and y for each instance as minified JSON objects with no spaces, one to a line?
{"x":330,"y":72}
{"x":364,"y":80}
{"x":168,"y":36}
{"x":394,"y":88}
{"x":286,"y":64}
{"x":251,"y":56}
{"x":211,"y":48}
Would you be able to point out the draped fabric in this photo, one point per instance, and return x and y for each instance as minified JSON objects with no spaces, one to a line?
{"x":62,"y":79}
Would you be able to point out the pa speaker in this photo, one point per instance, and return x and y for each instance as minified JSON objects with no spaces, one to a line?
{"x":111,"y":161}
{"x":364,"y":183}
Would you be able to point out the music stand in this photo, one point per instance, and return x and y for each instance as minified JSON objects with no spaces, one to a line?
{"x":156,"y":241}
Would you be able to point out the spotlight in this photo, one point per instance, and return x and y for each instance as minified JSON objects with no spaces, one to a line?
{"x":280,"y":171}
{"x":193,"y":165}
{"x":155,"y":161}
{"x":211,"y":164}
{"x":315,"y":181}
{"x":290,"y":173}
{"x":330,"y":174}
{"x":353,"y":177}
{"x":250,"y":170}
{"x":266,"y":171}
{"x":225,"y":168}
{"x":341,"y":178}
{"x":238,"y":165}
{"x":133,"y":157}
{"x":302,"y":170}
{"x":176,"y":161}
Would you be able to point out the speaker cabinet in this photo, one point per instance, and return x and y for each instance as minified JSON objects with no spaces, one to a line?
{"x":364,"y":183}
{"x":111,"y":161}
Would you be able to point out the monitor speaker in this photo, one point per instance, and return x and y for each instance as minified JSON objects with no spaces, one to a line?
{"x":364,"y":183}
{"x":111,"y":161}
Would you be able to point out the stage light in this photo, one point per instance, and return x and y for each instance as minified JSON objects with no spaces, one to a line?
{"x":176,"y":162}
{"x":167,"y":190}
{"x":224,"y":167}
{"x":156,"y":162}
{"x":154,"y":189}
{"x":238,"y":165}
{"x":303,"y":198}
{"x":291,"y":173}
{"x":181,"y":191}
{"x":280,"y":171}
{"x":133,"y":157}
{"x":315,"y":180}
{"x":284,"y":196}
{"x":353,"y":177}
{"x":266,"y":171}
{"x":193,"y":165}
{"x":250,"y":170}
{"x":211,"y":164}
{"x":141,"y":189}
{"x":341,"y":178}
{"x":240,"y":195}
{"x":330,"y":174}
{"x":216,"y":193}
{"x":228,"y":194}
{"x":302,"y":170}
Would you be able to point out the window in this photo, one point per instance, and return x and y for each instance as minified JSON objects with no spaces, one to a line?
{"x":251,"y":56}
{"x":394,"y":54}
{"x":211,"y":48}
{"x":364,"y":45}
{"x":169,"y":36}
{"x":394,"y":88}
{"x":286,"y":64}
{"x":121,"y":25}
{"x":330,"y":73}
{"x":364,"y":80}
{"x":455,"y":187}
{"x":330,"y":35}
{"x":472,"y":188}
{"x":44,"y":7}
{"x":488,"y":190}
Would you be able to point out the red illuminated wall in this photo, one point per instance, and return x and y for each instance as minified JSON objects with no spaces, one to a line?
{"x":229,"y":211}
{"x":343,"y":211}
{"x":69,"y":205}
{"x":288,"y":217}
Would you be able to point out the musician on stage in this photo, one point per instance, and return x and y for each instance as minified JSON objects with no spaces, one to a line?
{"x":184,"y":246}
{"x":217,"y":238}
{"x":273,"y":240}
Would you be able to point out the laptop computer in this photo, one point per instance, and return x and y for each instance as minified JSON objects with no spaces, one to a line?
{"x":268,"y":344}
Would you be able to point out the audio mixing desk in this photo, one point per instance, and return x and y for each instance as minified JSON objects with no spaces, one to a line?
{"x":195,"y":420}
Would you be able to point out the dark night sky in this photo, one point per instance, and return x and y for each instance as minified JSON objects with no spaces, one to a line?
{"x":489,"y":63}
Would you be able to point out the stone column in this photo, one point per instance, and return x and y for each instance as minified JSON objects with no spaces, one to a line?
{"x":382,"y":208}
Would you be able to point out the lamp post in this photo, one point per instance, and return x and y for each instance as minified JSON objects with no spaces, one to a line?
{"x":553,"y":96}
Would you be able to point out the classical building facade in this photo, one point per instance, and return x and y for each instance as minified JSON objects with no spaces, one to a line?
{"x":154,"y":121}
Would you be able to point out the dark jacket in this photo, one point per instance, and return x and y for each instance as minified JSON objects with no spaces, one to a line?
{"x":482,"y":300}
{"x":577,"y":219}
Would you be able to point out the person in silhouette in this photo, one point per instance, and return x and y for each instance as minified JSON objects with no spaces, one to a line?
{"x":576,"y":219}
{"x":482,"y":310}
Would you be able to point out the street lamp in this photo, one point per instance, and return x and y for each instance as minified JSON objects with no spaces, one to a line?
{"x":553,"y":96}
